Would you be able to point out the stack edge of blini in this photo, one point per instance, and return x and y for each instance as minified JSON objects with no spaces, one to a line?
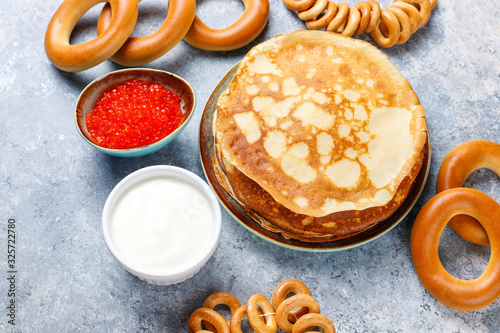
{"x":318,"y":136}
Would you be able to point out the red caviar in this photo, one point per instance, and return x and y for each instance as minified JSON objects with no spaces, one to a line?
{"x":134,"y":114}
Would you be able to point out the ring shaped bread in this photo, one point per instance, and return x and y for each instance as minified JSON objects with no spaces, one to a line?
{"x":291,"y":303}
{"x":236,"y":318}
{"x":285,"y":288}
{"x":458,"y":294}
{"x":207,"y":315}
{"x":313,"y":320}
{"x":79,"y":57}
{"x":458,"y":164}
{"x":141,"y":50}
{"x":221,"y":298}
{"x":237,"y":35}
{"x":257,"y":306}
{"x":393,"y":25}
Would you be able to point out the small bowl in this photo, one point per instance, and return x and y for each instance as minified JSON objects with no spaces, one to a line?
{"x":182,"y":269}
{"x":96,"y":88}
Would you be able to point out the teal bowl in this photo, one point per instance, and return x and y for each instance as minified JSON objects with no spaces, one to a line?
{"x":96,"y":88}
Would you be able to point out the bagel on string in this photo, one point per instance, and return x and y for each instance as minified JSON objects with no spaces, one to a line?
{"x":285,"y":288}
{"x":458,"y":164}
{"x":221,"y":298}
{"x":237,"y":35}
{"x":293,"y":302}
{"x":387,"y":27}
{"x":404,"y":22}
{"x":138,"y":51}
{"x":79,"y":57}
{"x":257,"y":306}
{"x":207,"y":315}
{"x":236,"y":318}
{"x":390,"y":22}
{"x":375,"y":13}
{"x":424,"y":9}
{"x":458,"y":294}
{"x":310,"y":320}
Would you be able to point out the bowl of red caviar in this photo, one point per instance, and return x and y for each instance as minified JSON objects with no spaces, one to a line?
{"x":134,"y":112}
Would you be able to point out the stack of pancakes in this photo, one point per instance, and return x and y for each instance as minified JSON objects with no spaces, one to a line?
{"x":318,"y":136}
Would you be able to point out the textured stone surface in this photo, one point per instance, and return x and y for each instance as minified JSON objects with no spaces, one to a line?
{"x":54,"y":185}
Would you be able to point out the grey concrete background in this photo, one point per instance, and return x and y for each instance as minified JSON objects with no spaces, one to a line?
{"x":54,"y":185}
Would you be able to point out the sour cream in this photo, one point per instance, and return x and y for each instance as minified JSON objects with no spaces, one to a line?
{"x":162,"y":223}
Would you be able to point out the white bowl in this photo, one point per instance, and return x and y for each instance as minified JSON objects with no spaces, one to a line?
{"x":183,"y":270}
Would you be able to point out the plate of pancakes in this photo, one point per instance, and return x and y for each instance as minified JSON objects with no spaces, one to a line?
{"x":315,"y":142}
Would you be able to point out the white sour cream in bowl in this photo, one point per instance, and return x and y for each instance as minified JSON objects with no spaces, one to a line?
{"x":162,"y":224}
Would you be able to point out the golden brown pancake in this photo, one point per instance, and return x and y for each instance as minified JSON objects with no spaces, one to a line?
{"x":323,"y":124}
{"x":274,"y":217}
{"x":318,"y":136}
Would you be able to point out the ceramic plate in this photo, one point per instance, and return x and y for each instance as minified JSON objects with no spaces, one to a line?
{"x":207,"y":152}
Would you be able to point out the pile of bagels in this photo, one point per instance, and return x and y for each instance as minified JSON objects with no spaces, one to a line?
{"x":297,"y":313}
{"x":114,"y":31}
{"x":473,"y":215}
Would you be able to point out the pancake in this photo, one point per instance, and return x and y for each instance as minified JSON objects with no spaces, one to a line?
{"x":274,"y":217}
{"x":321,"y":122}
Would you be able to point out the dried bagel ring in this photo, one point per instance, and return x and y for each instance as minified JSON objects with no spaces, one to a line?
{"x":292,"y":303}
{"x":458,"y":164}
{"x":207,"y":315}
{"x":79,"y":57}
{"x":313,"y":320}
{"x":412,"y":13}
{"x":236,"y":318}
{"x":314,"y":11}
{"x":424,"y":8}
{"x":255,"y":303}
{"x":221,"y":298}
{"x":375,"y":18}
{"x":391,"y":22}
{"x":458,"y":294}
{"x":405,"y":24}
{"x":321,"y":22}
{"x":288,"y":287}
{"x":365,"y":10}
{"x":299,"y":5}
{"x":340,"y":17}
{"x":349,"y":27}
{"x":239,"y":34}
{"x":141,"y":50}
